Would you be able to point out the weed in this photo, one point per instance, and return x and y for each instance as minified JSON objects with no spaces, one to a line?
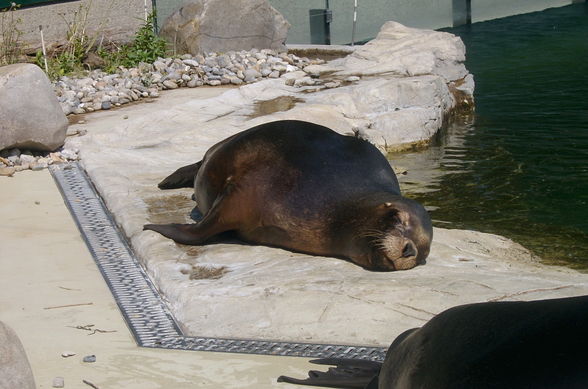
{"x":146,"y":47}
{"x":11,"y":50}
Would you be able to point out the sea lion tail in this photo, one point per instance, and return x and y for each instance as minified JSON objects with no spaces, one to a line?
{"x":181,"y":178}
{"x":347,"y":373}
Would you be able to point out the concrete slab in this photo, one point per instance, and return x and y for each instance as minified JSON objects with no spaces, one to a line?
{"x":51,"y":291}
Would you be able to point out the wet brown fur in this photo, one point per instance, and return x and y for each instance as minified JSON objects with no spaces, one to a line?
{"x":303,"y":187}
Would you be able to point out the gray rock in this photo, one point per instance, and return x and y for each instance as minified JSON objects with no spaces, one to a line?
{"x":106,"y":105}
{"x":6,"y":171}
{"x":191,"y":63}
{"x":251,"y":75}
{"x":89,"y":358}
{"x":26,"y":158}
{"x":169,"y":84}
{"x":15,"y":371}
{"x":58,"y":382}
{"x":201,"y":26}
{"x":30,"y":115}
{"x":235,"y":80}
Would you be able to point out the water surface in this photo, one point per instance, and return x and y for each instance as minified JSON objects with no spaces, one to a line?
{"x":519,"y":166}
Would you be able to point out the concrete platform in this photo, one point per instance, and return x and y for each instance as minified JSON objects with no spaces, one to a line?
{"x":52,"y":290}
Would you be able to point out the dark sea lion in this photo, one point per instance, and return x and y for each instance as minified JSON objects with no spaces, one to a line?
{"x":536,"y":344}
{"x":304,"y":187}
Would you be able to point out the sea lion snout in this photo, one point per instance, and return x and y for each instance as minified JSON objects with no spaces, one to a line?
{"x":399,"y":252}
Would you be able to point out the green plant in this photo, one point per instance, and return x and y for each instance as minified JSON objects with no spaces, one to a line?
{"x":69,"y":57}
{"x":11,"y":49}
{"x":146,"y":47}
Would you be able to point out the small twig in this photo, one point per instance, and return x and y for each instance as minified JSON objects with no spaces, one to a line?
{"x":63,"y":287}
{"x":69,"y":305}
{"x":88,"y":327}
{"x":90,"y":384}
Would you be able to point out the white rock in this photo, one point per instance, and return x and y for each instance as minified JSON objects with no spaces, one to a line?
{"x":30,"y":116}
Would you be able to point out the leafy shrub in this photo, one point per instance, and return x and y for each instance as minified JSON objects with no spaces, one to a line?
{"x":146,"y":47}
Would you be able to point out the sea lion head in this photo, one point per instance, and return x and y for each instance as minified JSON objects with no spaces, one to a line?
{"x":398,"y":236}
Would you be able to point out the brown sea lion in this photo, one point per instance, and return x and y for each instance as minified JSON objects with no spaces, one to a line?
{"x":522,"y":344}
{"x":304,"y":187}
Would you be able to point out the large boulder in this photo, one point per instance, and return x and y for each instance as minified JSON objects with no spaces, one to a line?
{"x":15,"y":371}
{"x":30,"y":115}
{"x":204,"y":26}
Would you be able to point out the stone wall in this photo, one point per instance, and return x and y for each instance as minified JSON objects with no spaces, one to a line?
{"x":116,"y":20}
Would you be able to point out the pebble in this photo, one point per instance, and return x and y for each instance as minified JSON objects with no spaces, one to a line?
{"x":67,"y":354}
{"x":98,"y":90}
{"x":7,"y":171}
{"x":90,"y":358}
{"x":58,"y":382}
{"x":26,"y":158}
{"x":34,"y":160}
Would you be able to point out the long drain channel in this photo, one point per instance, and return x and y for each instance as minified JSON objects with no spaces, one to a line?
{"x":146,"y":314}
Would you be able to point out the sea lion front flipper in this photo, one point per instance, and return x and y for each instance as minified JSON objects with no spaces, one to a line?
{"x":181,"y":178}
{"x":348,"y":373}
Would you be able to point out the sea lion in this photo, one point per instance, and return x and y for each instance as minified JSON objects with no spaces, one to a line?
{"x":535,"y":344}
{"x":304,"y":187}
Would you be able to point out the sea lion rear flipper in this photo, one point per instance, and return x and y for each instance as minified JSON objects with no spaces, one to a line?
{"x":211,"y":224}
{"x":181,"y":178}
{"x":348,"y":373}
{"x":180,"y":233}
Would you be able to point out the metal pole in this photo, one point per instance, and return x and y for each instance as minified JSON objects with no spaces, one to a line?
{"x":154,"y":11}
{"x":44,"y":51}
{"x":354,"y":22}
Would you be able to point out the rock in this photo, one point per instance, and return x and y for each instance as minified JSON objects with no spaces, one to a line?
{"x":235,"y":80}
{"x":106,"y":105}
{"x":89,"y":358}
{"x":36,"y":166}
{"x":404,"y":51}
{"x":169,"y":84}
{"x":251,"y":75}
{"x":190,"y":62}
{"x":58,"y":382}
{"x":7,"y":171}
{"x":30,"y":117}
{"x":26,"y":158}
{"x":15,"y":371}
{"x":202,"y":26}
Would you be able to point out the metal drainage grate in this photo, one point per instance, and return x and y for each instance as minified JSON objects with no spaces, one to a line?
{"x":149,"y":319}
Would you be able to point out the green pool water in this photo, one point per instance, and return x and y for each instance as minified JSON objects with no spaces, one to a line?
{"x":519,"y":165}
